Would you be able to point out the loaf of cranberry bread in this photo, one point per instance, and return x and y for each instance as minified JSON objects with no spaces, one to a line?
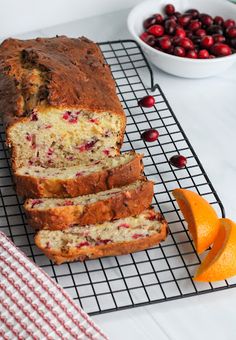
{"x":118,"y":237}
{"x":61,"y":213}
{"x":58,"y":101}
{"x":111,"y":172}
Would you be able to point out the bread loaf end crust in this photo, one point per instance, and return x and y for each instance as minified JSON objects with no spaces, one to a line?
{"x":34,"y":72}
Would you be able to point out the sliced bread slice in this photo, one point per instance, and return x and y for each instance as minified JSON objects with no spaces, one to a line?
{"x":36,"y":181}
{"x":119,"y":237}
{"x":61,"y":213}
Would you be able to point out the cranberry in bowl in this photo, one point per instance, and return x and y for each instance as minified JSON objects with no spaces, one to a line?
{"x":186,"y":38}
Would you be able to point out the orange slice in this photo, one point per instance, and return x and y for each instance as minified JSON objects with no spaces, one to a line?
{"x":220,"y":262}
{"x":201,"y":218}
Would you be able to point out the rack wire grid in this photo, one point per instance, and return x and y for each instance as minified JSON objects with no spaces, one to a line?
{"x":158,"y":274}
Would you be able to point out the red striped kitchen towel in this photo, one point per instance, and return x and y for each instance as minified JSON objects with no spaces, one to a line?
{"x":33,"y":306}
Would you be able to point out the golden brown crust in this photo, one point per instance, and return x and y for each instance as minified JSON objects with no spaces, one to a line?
{"x":126,"y":203}
{"x":31,"y":187}
{"x":34,"y":72}
{"x":114,"y":249}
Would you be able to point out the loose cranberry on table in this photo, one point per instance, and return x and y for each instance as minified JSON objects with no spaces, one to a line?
{"x":150,"y":135}
{"x":147,"y":101}
{"x":178,"y":161}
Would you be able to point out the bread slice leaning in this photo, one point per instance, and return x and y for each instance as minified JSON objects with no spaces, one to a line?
{"x":122,"y":236}
{"x":37,"y":182}
{"x":61,"y":213}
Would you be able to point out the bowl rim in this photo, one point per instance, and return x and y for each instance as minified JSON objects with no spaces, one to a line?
{"x":130,"y":22}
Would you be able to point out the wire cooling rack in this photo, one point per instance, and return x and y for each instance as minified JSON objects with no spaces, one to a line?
{"x":161,"y":273}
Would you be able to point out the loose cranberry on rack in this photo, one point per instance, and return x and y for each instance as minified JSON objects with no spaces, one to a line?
{"x":178,"y":161}
{"x":150,"y":135}
{"x":147,"y":101}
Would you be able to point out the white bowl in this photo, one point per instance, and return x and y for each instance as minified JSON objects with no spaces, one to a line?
{"x":182,"y":67}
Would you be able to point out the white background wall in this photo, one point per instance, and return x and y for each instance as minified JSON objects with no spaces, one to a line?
{"x":19,"y":16}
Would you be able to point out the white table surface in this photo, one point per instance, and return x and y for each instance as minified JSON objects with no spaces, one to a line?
{"x":206,"y":110}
